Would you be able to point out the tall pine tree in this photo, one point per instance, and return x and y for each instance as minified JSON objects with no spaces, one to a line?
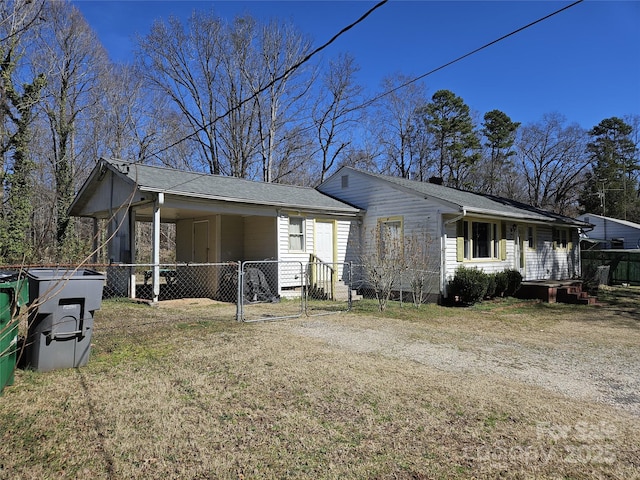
{"x":612,"y":185}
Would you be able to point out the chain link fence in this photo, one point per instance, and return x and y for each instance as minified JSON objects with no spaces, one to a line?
{"x":268,"y":289}
{"x":202,"y":280}
{"x":411,"y":285}
{"x":261,"y":290}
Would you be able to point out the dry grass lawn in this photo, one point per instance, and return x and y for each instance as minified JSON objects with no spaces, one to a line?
{"x":505,"y":389}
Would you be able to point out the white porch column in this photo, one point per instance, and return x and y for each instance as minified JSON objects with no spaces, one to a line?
{"x":156,"y":246}
{"x":132,"y":249}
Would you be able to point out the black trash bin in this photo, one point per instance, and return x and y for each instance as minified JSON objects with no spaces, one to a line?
{"x":63,"y":302}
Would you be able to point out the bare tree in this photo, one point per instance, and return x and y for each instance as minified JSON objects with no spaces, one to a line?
{"x":185,"y":65}
{"x":74,"y":61}
{"x":397,"y":127}
{"x":421,"y":259}
{"x":336,"y":111}
{"x":553,"y":161}
{"x":383,"y":261}
{"x":19,"y":95}
{"x":282,"y":47}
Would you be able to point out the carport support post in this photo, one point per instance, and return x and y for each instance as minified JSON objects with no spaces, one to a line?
{"x":240,"y":294}
{"x":156,"y":247}
{"x":132,"y":249}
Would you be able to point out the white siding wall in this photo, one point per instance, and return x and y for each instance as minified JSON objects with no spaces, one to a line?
{"x":343,"y":230}
{"x":542,"y":263}
{"x":380,"y":201}
{"x":549,"y":263}
{"x":487,"y":266}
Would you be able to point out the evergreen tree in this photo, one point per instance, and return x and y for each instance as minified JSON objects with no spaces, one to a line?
{"x":455,"y":143}
{"x":500,"y":133}
{"x":612,"y":185}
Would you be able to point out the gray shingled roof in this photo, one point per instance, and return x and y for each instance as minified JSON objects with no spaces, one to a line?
{"x":475,"y":202}
{"x":231,"y":189}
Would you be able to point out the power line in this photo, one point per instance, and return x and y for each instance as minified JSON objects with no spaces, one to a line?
{"x":472,"y":52}
{"x":277,"y":79}
{"x":377,"y":97}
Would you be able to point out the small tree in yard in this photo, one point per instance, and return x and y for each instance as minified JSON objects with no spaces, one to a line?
{"x":420,"y":265}
{"x":383,"y":261}
{"x":391,"y":257}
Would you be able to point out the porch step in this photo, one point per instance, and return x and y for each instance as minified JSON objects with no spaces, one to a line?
{"x":574,"y":295}
{"x":556,"y":292}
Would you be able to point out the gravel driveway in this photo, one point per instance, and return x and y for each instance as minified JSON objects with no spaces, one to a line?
{"x":577,"y":369}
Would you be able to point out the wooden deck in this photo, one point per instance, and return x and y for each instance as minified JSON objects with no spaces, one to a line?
{"x":555,"y":291}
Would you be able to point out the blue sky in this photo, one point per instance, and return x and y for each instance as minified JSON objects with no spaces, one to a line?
{"x":583,"y":63}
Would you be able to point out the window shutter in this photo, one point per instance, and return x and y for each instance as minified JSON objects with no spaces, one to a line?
{"x":460,"y":240}
{"x":503,"y":241}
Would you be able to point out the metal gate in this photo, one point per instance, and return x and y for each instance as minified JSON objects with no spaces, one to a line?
{"x":270,"y":290}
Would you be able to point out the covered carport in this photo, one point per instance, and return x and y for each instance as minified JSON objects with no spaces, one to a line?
{"x":218,"y":219}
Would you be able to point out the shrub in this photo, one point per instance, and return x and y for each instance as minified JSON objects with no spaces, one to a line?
{"x":502,"y":282}
{"x":469,"y":285}
{"x":491,"y":285}
{"x":514,"y":280}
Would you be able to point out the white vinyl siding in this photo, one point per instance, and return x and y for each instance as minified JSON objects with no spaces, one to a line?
{"x":488,"y":265}
{"x":346,"y":229}
{"x":381,"y":200}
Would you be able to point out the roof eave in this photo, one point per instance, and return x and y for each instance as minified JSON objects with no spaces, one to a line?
{"x":524,"y":216}
{"x":351,"y":211}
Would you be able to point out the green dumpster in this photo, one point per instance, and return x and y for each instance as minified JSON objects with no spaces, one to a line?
{"x":14,"y":293}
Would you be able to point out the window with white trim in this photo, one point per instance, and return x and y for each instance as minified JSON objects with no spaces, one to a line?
{"x":296,"y":234}
{"x":390,"y":230}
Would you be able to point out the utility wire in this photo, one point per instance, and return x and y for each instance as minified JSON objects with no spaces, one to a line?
{"x":377,"y":97}
{"x":486,"y":45}
{"x":275,"y":80}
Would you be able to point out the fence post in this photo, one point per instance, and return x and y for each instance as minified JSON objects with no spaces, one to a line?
{"x":349,"y":291}
{"x":240,"y":294}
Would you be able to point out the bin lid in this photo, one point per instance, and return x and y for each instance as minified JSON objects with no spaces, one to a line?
{"x":9,"y":276}
{"x":63,"y":273}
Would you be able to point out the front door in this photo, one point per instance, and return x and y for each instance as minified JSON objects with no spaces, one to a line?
{"x":324,"y":242}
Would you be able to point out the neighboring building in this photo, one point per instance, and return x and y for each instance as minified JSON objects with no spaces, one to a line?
{"x":609,"y":233}
{"x":464,"y":228}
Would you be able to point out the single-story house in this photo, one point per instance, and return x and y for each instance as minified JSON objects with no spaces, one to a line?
{"x":609,"y":232}
{"x":220,"y":219}
{"x":464,"y":228}
{"x":217,"y":218}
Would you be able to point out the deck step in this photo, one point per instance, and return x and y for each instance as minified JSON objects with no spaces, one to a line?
{"x":556,"y":292}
